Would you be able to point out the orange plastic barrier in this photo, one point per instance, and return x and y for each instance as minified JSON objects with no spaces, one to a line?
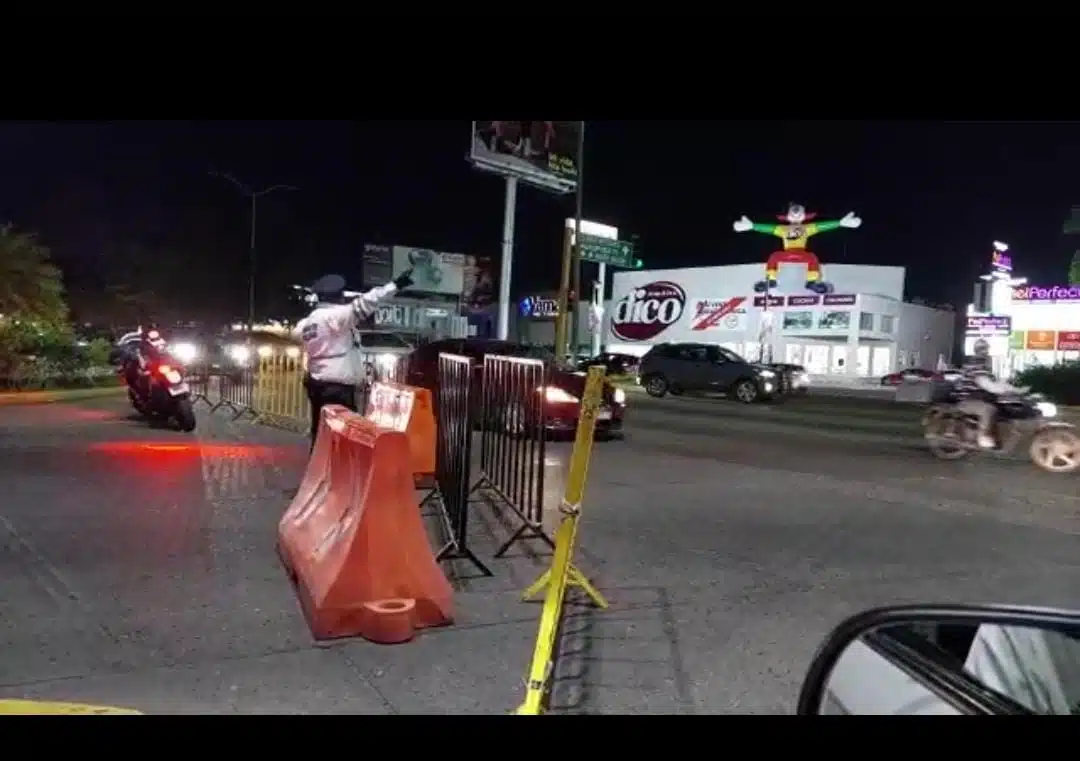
{"x":354,"y":541}
{"x":410,"y":410}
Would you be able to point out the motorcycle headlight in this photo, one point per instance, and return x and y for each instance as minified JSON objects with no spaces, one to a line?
{"x":619,"y":396}
{"x":1046,"y":409}
{"x":185,"y":352}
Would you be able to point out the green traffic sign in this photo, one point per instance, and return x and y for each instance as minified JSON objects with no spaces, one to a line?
{"x":617,"y":253}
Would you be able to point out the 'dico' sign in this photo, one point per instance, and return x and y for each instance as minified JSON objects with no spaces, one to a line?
{"x":1046,"y":293}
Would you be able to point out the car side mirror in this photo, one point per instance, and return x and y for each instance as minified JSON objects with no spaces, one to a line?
{"x":948,"y":660}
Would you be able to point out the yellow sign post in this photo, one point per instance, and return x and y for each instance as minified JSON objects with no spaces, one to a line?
{"x":562,"y":572}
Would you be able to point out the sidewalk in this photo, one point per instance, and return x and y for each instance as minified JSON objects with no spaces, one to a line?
{"x":50,"y":396}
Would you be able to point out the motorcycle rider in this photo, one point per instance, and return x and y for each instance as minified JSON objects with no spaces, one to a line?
{"x":327,"y":334}
{"x":980,"y":391}
{"x":135,"y":351}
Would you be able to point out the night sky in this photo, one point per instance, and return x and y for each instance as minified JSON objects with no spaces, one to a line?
{"x":932,"y":197}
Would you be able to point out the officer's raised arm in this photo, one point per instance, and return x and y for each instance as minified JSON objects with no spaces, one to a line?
{"x":364,"y":305}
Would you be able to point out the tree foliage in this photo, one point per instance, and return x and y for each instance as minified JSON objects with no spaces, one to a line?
{"x":1059,"y":383}
{"x":31,"y":286}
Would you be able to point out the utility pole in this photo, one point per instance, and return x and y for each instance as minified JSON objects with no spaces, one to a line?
{"x":566,"y":325}
{"x":253,"y":196}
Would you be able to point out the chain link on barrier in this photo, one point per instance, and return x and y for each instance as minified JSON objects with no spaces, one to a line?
{"x":562,"y":572}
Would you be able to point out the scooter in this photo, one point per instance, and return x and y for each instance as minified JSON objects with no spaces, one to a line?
{"x":1054,"y":445}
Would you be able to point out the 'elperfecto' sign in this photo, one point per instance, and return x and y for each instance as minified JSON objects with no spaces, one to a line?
{"x":1046,"y":293}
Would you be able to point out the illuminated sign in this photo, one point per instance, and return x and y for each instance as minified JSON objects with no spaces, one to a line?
{"x":1051,"y":293}
{"x":988,"y":325}
{"x":537,"y":308}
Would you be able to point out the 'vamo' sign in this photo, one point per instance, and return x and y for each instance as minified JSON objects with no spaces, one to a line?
{"x":645,"y":312}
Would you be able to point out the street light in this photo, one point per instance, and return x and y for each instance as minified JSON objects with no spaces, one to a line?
{"x":254,"y":196}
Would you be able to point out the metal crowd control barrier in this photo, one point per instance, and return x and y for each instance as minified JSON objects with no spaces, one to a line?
{"x":278,"y":396}
{"x":236,"y":392}
{"x":198,"y":379}
{"x":453,"y":457}
{"x":512,"y":441}
{"x":380,"y":367}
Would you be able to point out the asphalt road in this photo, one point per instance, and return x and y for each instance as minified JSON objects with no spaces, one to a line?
{"x":139,"y":567}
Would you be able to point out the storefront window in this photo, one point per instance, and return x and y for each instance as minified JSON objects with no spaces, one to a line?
{"x":834,"y":320}
{"x":793,"y":354}
{"x":798,"y":321}
{"x":888,"y":323}
{"x":866,"y":321}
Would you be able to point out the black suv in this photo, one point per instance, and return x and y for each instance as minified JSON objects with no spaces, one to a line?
{"x":678,"y":367}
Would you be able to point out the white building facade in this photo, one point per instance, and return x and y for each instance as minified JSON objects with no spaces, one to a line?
{"x":1043,"y":326}
{"x":862,"y":328}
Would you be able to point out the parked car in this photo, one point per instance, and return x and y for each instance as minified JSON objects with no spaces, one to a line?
{"x":614,"y":363}
{"x":562,"y":396}
{"x":800,"y":379}
{"x":915,"y":374}
{"x":678,"y":367}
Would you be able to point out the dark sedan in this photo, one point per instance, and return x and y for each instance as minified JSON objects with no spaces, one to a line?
{"x":615,"y":364}
{"x":562,"y":394}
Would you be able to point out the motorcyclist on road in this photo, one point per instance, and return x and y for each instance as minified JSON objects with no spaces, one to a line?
{"x":135,"y":352}
{"x":980,"y":391}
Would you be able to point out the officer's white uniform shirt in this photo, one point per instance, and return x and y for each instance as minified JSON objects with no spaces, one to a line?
{"x":327,"y":335}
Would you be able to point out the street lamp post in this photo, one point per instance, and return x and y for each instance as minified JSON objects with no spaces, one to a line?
{"x":253,"y":196}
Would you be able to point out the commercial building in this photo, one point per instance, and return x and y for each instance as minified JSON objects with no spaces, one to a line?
{"x":1021,"y":325}
{"x":860,"y":327}
{"x":1040,"y":325}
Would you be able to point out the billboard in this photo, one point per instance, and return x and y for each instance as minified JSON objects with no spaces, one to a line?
{"x":478,"y":293}
{"x":376,"y":265}
{"x":544,"y":154}
{"x":434,"y":272}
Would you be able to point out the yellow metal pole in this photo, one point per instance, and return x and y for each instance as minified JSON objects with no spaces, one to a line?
{"x":562,"y":571}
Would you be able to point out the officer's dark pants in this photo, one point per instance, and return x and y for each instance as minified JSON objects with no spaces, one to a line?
{"x":320,"y":393}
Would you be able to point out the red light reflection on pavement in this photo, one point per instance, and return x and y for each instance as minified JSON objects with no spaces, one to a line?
{"x":168,"y":448}
{"x":180,"y":488}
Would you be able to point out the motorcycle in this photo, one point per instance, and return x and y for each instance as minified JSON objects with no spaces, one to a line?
{"x":162,"y":395}
{"x":1054,"y":445}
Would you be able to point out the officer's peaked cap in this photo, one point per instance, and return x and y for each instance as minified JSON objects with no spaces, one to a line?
{"x":328,"y":285}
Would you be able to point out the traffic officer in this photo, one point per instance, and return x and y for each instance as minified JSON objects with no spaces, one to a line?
{"x":333,"y":372}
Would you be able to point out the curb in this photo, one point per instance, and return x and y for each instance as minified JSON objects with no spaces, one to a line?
{"x":24,"y":398}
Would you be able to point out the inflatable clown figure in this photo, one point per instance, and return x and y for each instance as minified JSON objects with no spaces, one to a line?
{"x":795,"y":230}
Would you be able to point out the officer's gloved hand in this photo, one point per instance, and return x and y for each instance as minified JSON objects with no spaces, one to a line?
{"x":404,"y":280}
